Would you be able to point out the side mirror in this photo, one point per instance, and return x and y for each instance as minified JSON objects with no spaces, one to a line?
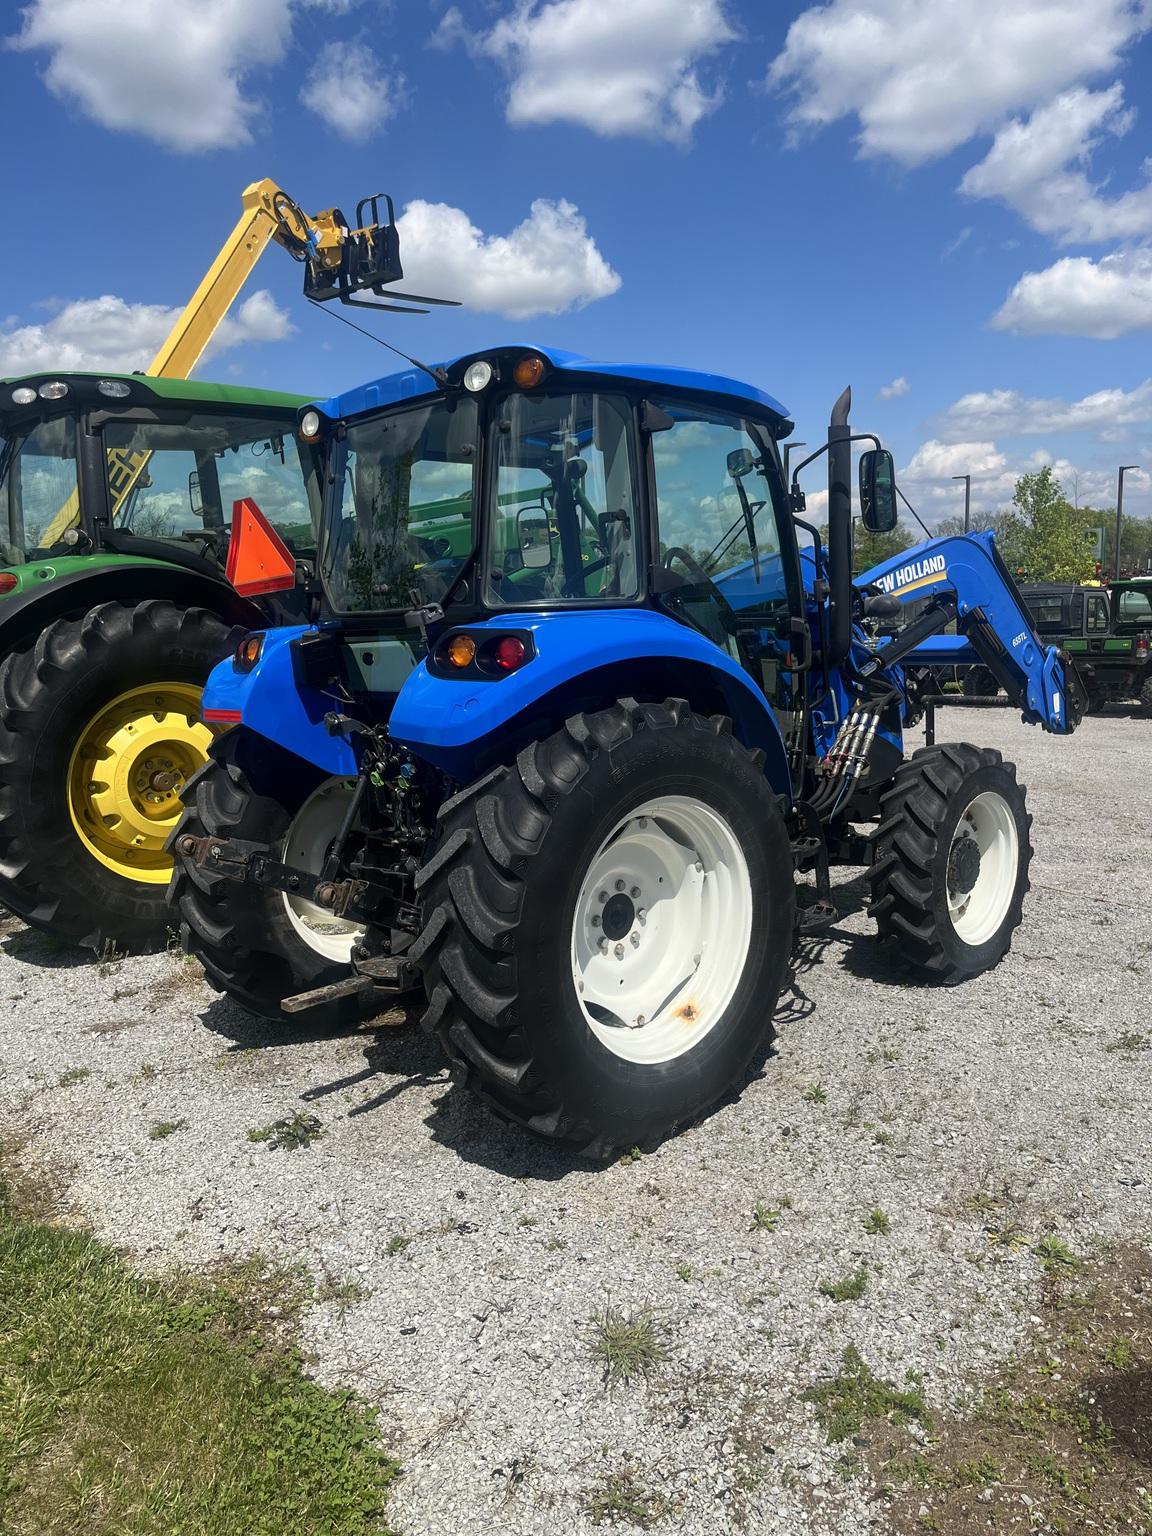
{"x":535,"y":539}
{"x":741,"y":462}
{"x":878,"y":510}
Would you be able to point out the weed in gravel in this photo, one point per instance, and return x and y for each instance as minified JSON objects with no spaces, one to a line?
{"x":627,"y":1344}
{"x":146,"y":1074}
{"x":163,"y":1128}
{"x":876,"y":1223}
{"x":848,"y":1287}
{"x":765,"y":1218}
{"x":527,"y":1221}
{"x":296,"y":1130}
{"x":342,"y":1294}
{"x":73,"y":1075}
{"x":685,"y":1271}
{"x":167,"y":1405}
{"x":816,"y":1093}
{"x":396,"y":1244}
{"x":1055,"y":1254}
{"x":1130,"y":1041}
{"x":555,"y":1245}
{"x":630,"y":1497}
{"x":109,"y":960}
{"x":854,"y":1396}
{"x":633,"y":1155}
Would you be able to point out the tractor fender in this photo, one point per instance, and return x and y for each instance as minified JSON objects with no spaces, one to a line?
{"x":50,"y":589}
{"x":272,"y":700}
{"x":583,"y":660}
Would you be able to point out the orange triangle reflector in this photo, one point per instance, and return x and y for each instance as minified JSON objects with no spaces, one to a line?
{"x":258,"y":558}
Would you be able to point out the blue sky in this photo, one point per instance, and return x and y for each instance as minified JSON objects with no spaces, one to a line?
{"x":768,"y":190}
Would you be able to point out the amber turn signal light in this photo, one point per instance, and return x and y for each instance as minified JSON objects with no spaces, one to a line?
{"x":528,"y":372}
{"x":248,"y":652}
{"x":461,"y":650}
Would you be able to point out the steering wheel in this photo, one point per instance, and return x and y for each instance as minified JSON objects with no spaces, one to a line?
{"x":699,"y":574}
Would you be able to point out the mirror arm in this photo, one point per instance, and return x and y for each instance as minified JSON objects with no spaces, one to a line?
{"x":856,"y":437}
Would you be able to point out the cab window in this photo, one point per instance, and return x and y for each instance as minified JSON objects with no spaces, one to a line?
{"x":563,"y":524}
{"x":38,"y":488}
{"x":1097,"y":615}
{"x":169,"y":479}
{"x":1134,"y":609}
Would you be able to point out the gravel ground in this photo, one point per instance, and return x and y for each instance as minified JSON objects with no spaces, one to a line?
{"x":474,"y":1335}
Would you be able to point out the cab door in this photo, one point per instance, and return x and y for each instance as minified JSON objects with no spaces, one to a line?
{"x":725,"y":559}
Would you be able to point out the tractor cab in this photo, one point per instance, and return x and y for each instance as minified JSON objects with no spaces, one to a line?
{"x":125,"y":464}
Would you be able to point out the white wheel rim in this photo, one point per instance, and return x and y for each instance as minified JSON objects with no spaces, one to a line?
{"x":661,"y":930}
{"x":306,"y":847}
{"x":977,"y":912}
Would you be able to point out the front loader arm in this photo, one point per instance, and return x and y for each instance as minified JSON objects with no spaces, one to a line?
{"x":993,"y":625}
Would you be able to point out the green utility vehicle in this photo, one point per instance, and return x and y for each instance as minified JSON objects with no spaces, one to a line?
{"x":1107,"y":629}
{"x":116,"y":498}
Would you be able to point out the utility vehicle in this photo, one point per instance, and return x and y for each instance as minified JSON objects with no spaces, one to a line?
{"x":565,"y":779}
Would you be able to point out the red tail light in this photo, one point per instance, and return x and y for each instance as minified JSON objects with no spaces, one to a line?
{"x":509,"y":653}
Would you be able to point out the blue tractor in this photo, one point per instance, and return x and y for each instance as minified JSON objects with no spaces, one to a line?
{"x":578,"y":706}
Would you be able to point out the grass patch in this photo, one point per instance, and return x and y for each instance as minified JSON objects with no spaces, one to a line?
{"x":876,"y":1223}
{"x":627,"y":1344}
{"x":1061,"y":1440}
{"x":73,"y":1075}
{"x":848,"y":1287}
{"x":1130,"y":1041}
{"x":153,"y":1407}
{"x":855,"y":1397}
{"x":816,"y":1093}
{"x":297,"y":1130}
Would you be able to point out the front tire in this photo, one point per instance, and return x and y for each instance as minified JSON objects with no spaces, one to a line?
{"x":979,"y":684}
{"x":100,"y":731}
{"x":951,"y":858}
{"x":571,"y":1004}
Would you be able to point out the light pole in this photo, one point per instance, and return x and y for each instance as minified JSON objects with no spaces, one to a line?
{"x":1120,"y":512}
{"x":967,"y":479}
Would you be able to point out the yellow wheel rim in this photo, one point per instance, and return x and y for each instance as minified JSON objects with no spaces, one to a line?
{"x":128,"y":768}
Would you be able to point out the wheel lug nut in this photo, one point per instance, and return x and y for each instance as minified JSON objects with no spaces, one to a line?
{"x":619,"y":885}
{"x":635,"y":940}
{"x":619,"y":951}
{"x":604,"y":946}
{"x":634,"y":892}
{"x":595,"y":919}
{"x":603,"y":896}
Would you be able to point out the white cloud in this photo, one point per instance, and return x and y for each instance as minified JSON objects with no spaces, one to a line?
{"x":548,"y":264}
{"x":936,"y":460}
{"x":348,"y":89}
{"x":108,"y":332}
{"x":1007,"y":413}
{"x":894,"y":390}
{"x":175,"y":73}
{"x":614,"y":66}
{"x":1038,"y":168}
{"x":922,"y":79}
{"x":1081,"y":297}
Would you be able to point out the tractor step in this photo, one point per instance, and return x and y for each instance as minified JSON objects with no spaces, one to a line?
{"x":816,"y":918}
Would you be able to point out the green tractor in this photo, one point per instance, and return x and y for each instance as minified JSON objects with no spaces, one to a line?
{"x":116,"y":501}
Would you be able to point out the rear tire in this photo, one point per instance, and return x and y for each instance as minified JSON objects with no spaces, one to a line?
{"x":1146,"y":695}
{"x":95,"y":714}
{"x":520,"y":907}
{"x":255,"y":944}
{"x":950,"y":871}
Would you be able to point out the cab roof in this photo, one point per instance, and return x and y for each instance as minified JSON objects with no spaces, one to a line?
{"x":413,"y":383}
{"x":148,"y":387}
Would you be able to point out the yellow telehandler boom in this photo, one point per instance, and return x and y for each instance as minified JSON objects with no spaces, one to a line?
{"x":339,"y":260}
